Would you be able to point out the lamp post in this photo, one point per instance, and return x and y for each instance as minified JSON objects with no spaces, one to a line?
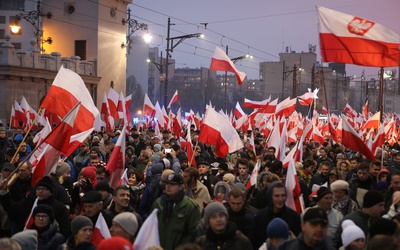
{"x":169,"y":50}
{"x":33,"y":17}
{"x":161,"y":68}
{"x":133,"y":26}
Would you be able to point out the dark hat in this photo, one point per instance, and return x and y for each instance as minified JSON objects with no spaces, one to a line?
{"x":8,"y":166}
{"x":43,"y":208}
{"x":371,"y":198}
{"x":135,"y":136}
{"x":223,"y":166}
{"x":165,"y":131}
{"x":150,"y":129}
{"x":103,"y":186}
{"x":47,"y":183}
{"x":176,"y":147}
{"x":174,"y":178}
{"x":10,"y":151}
{"x":146,"y":137}
{"x":2,"y":129}
{"x":79,"y":222}
{"x":322,"y":191}
{"x":91,"y":197}
{"x":315,"y":215}
{"x":205,"y":163}
{"x":182,"y":157}
{"x":95,"y":149}
{"x":278,"y":228}
{"x":382,"y":226}
{"x":212,"y":208}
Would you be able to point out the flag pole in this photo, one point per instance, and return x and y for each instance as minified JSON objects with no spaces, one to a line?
{"x":381,"y":93}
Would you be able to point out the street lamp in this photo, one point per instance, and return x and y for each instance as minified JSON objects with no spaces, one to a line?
{"x":133,"y":26}
{"x":34,"y":18}
{"x":161,"y":68}
{"x":170,"y":48}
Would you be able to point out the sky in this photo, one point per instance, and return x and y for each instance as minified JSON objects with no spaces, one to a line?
{"x":261,"y":28}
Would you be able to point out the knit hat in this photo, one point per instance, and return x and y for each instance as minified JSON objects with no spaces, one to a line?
{"x":158,"y":146}
{"x":90,"y":172}
{"x":26,"y":239}
{"x":62,"y":168}
{"x":382,"y":226}
{"x":103,"y":186}
{"x":2,"y":129}
{"x":8,"y":166}
{"x":339,"y":185}
{"x":230,"y":177}
{"x":91,"y":197}
{"x":79,"y":222}
{"x":223,"y":166}
{"x":351,"y":232}
{"x":115,"y":243}
{"x":167,"y":163}
{"x":18,"y":137}
{"x":315,"y":214}
{"x":371,"y":198}
{"x":212,"y":208}
{"x":322,"y":191}
{"x":128,"y":222}
{"x":278,"y":228}
{"x":396,"y":197}
{"x":45,"y":209}
{"x":47,"y":183}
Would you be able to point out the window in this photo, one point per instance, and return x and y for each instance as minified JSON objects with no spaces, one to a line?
{"x":2,"y":32}
{"x":12,"y":4}
{"x":80,"y":49}
{"x":2,"y":19}
{"x":17,"y":45}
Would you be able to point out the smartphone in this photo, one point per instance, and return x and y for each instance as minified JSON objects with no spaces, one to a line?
{"x":167,"y":150}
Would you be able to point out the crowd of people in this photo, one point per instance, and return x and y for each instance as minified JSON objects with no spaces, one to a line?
{"x":203,"y":201}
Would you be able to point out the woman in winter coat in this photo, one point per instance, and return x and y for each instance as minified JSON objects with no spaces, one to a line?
{"x":82,"y":229}
{"x":49,"y":236}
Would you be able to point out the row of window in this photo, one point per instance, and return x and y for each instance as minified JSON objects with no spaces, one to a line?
{"x":12,"y":4}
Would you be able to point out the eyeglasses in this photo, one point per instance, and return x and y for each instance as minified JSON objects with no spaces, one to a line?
{"x":41,"y":217}
{"x":41,"y":189}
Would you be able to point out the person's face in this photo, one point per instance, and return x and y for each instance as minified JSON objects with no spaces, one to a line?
{"x":377,"y":210}
{"x":92,"y":209}
{"x":217,"y":222}
{"x":278,"y":197}
{"x":186,"y":178}
{"x":42,"y":220}
{"x":221,"y":171}
{"x":132,"y":181}
{"x":338,"y":195}
{"x":122,"y":198}
{"x":363,"y":174}
{"x":117,"y":230}
{"x":322,"y":153}
{"x":314,"y":233}
{"x":325,"y":202}
{"x":343,"y":167}
{"x":357,"y":244}
{"x":236,"y":204}
{"x":101,"y":177}
{"x":94,"y":162}
{"x":84,"y":148}
{"x":6,"y":173}
{"x":2,"y":134}
{"x":221,"y":195}
{"x":93,"y":153}
{"x":172,"y":189}
{"x":242,"y":170}
{"x":324,"y":170}
{"x":23,"y":148}
{"x":398,"y":158}
{"x":42,"y":193}
{"x":84,"y":235}
{"x":374,"y":169}
{"x":66,"y":176}
{"x":332,"y":178}
{"x":353,"y":164}
{"x":395,"y":183}
{"x":24,"y":172}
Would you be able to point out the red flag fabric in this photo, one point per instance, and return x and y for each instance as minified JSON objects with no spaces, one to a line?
{"x":112,"y":99}
{"x":13,"y":119}
{"x":352,"y":140}
{"x":66,"y":91}
{"x":373,"y":121}
{"x":253,"y":177}
{"x":221,"y":62}
{"x":175,"y":98}
{"x":308,"y":98}
{"x":116,"y":163}
{"x":365,"y":109}
{"x":100,"y":231}
{"x":292,"y":188}
{"x":351,"y":39}
{"x":29,"y":221}
{"x":19,"y":113}
{"x":148,"y":107}
{"x":218,"y":131}
{"x":256,"y":104}
{"x":238,"y":112}
{"x":379,"y":139}
{"x":324,"y":110}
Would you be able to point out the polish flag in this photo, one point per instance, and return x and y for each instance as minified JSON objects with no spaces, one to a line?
{"x":221,"y":62}
{"x":286,"y":107}
{"x":43,"y":160}
{"x":77,"y":140}
{"x":60,"y":136}
{"x":14,"y":123}
{"x":108,"y":119}
{"x":112,"y":99}
{"x":29,"y":221}
{"x":292,"y":186}
{"x":116,"y":164}
{"x":308,"y":97}
{"x":373,"y":121}
{"x":148,"y":107}
{"x":189,"y":149}
{"x":256,"y":104}
{"x":175,"y":98}
{"x":379,"y":139}
{"x":100,"y":230}
{"x":253,"y":177}
{"x":218,"y":131}
{"x":251,"y":144}
{"x":148,"y":235}
{"x":271,"y":107}
{"x":324,"y":110}
{"x":66,"y":91}
{"x":238,"y":112}
{"x":350,"y":111}
{"x":42,"y":134}
{"x":124,"y":178}
{"x":352,"y":140}
{"x":177,"y":124}
{"x":354,"y":40}
{"x":19,"y":113}
{"x":275,"y":138}
{"x":30,"y":113}
{"x":317,"y":136}
{"x":365,"y":109}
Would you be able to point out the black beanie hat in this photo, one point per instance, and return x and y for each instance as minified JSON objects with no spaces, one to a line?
{"x":79,"y":222}
{"x":371,"y":198}
{"x":322,"y":191}
{"x":46,"y":209}
{"x":47,"y":183}
{"x":382,"y":226}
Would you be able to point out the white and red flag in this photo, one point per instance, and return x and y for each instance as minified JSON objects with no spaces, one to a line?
{"x":365,"y":109}
{"x":66,"y":91}
{"x":256,"y":104}
{"x":19,"y":113}
{"x":175,"y":98}
{"x":148,"y":107}
{"x":124,"y":178}
{"x":218,"y":131}
{"x":253,"y":177}
{"x":100,"y":231}
{"x":293,"y":192}
{"x":108,"y":118}
{"x":116,"y":163}
{"x":379,"y":139}
{"x":238,"y":112}
{"x":351,"y":39}
{"x":373,"y":121}
{"x":221,"y":62}
{"x":13,"y":119}
{"x":29,"y":221}
{"x":308,"y":98}
{"x":324,"y":110}
{"x":148,"y":235}
{"x":112,"y":99}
